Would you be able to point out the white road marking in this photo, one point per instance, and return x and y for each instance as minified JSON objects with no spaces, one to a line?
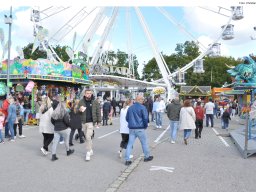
{"x":161,"y":135}
{"x":107,"y":134}
{"x":221,"y":138}
{"x":157,"y":168}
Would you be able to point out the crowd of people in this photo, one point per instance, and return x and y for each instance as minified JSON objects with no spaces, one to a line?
{"x":59,"y":121}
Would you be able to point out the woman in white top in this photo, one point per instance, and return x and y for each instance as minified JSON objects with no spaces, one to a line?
{"x":124,"y":130}
{"x":45,"y":125}
{"x":187,"y":120}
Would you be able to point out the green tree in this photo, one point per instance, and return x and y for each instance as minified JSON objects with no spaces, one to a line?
{"x":120,"y":59}
{"x":42,"y":54}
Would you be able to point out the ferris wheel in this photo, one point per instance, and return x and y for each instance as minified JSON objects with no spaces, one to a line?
{"x":99,"y":56}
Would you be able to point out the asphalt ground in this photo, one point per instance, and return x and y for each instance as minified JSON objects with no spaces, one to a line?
{"x":211,"y":163}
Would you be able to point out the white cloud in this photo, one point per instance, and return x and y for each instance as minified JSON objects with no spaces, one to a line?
{"x":208,"y":24}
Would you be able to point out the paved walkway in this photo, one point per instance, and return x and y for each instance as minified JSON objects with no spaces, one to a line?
{"x":211,"y":163}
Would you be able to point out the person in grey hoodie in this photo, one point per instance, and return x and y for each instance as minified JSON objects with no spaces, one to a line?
{"x":173,"y":113}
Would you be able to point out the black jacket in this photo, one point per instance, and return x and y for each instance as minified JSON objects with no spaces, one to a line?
{"x":75,"y":120}
{"x":61,"y":124}
{"x":226,"y":117}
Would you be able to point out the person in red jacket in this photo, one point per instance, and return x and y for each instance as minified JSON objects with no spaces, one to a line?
{"x":199,"y":111}
{"x":5,"y":106}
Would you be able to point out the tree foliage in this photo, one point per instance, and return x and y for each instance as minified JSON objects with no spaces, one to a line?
{"x":120,"y":59}
{"x":27,"y":50}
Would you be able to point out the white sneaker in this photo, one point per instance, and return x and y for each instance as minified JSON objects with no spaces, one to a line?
{"x":61,"y":142}
{"x":120,"y":154}
{"x":22,"y":136}
{"x":131,"y":156}
{"x":44,"y":152}
{"x":91,"y":152}
{"x":160,"y":127}
{"x":88,"y":156}
{"x":172,"y":142}
{"x":12,"y":140}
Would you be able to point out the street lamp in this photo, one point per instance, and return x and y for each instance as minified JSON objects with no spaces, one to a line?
{"x":8,"y":20}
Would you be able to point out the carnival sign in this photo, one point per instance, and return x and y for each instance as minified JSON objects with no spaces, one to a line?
{"x":112,"y":69}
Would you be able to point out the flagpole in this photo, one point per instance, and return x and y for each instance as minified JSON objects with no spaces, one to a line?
{"x":8,"y":20}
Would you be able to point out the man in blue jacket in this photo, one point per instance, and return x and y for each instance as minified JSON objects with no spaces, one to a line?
{"x":137,"y":118}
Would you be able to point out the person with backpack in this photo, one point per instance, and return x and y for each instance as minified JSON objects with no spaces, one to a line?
{"x":199,"y":111}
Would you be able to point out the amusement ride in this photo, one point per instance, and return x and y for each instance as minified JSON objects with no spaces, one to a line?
{"x":92,"y":68}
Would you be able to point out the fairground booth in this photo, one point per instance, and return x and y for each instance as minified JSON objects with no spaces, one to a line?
{"x":34,"y":78}
{"x":195,"y":92}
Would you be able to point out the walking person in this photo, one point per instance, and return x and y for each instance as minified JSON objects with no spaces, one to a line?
{"x":199,"y":111}
{"x":225,"y":118}
{"x":159,"y":113}
{"x":173,"y":113}
{"x":209,"y":109}
{"x":154,"y":106}
{"x":5,"y":107}
{"x":45,"y":125}
{"x":90,"y":115}
{"x":11,"y":118}
{"x":18,"y":122}
{"x":27,"y":108}
{"x":221,"y":113}
{"x":124,"y":130}
{"x":187,"y":120}
{"x":75,"y":123}
{"x":61,"y":121}
{"x":114,"y":104}
{"x":2,"y":117}
{"x":137,"y":118}
{"x":106,"y":111}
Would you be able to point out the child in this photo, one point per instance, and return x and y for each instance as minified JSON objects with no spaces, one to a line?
{"x":1,"y":126}
{"x":225,"y":119}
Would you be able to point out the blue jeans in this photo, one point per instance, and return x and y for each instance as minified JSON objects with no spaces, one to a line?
{"x":57,"y":134}
{"x":6,"y":130}
{"x":26,"y":113}
{"x":187,"y":133}
{"x":10,"y":127}
{"x":158,"y":118}
{"x":225,"y":124}
{"x":133,"y":134}
{"x":174,"y":126}
{"x":207,"y":119}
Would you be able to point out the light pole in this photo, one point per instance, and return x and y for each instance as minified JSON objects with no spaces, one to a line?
{"x":8,"y":20}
